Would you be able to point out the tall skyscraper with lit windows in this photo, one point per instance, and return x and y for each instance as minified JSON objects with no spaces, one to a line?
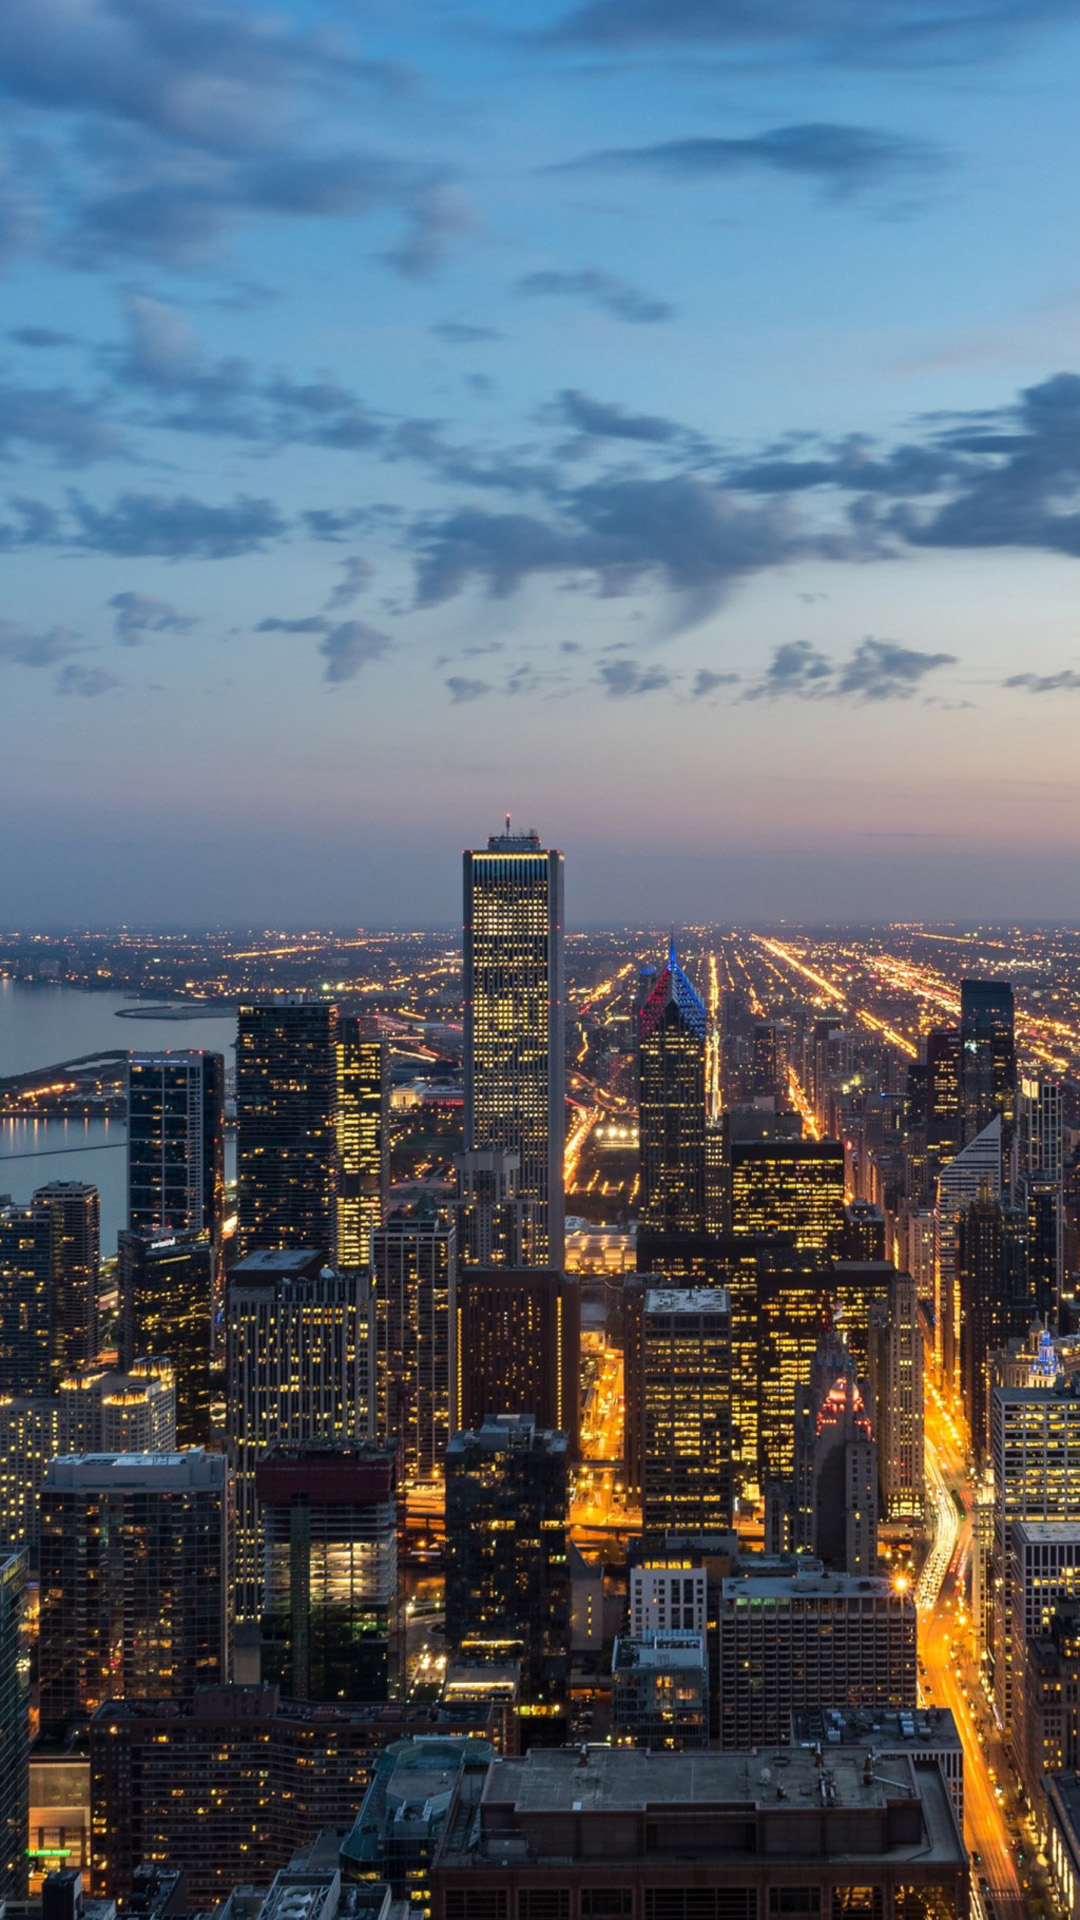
{"x":287,"y":1125}
{"x":514,"y":1020}
{"x":363,"y":1101}
{"x":672,"y":1040}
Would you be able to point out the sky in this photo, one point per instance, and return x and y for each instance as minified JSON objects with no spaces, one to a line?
{"x":655,"y":419}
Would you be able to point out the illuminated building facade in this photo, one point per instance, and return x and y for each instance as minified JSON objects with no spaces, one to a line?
{"x":1036,"y":1457}
{"x":794,"y":1307}
{"x":495,"y":1226}
{"x":176,"y":1144}
{"x":792,"y":1188}
{"x":660,"y":1690}
{"x":415,"y":1265}
{"x":363,"y":1095}
{"x":287,"y":1125}
{"x":14,"y":1732}
{"x":514,"y":1020}
{"x":699,"y":1260}
{"x":518,"y":1348}
{"x":686,"y":1396}
{"x":330,"y":1628}
{"x":234,"y":1774}
{"x":69,"y":1217}
{"x":167,"y":1288}
{"x":136,"y":1577}
{"x":507,"y":1564}
{"x":895,"y":1367}
{"x":672,"y":1035}
{"x":944,"y":1099}
{"x":810,"y":1639}
{"x":975,"y":1169}
{"x":97,"y":1411}
{"x":836,"y":1465}
{"x":25,"y":1361}
{"x":300,"y":1350}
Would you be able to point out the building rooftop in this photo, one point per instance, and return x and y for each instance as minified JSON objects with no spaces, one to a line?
{"x":160,"y":1471}
{"x":688,"y":1300}
{"x":660,"y":1651}
{"x":810,"y":1580}
{"x":1058,"y":1533}
{"x":504,"y":1433}
{"x":908,"y":1816}
{"x":874,"y":1727}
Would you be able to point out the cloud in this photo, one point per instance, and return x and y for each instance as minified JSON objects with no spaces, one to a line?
{"x":897,"y":31}
{"x":40,"y":337}
{"x":623,"y":678}
{"x":604,"y":290}
{"x":616,"y":533}
{"x":88,"y":682}
{"x":177,"y":528}
{"x":69,"y":427}
{"x":462,"y":690}
{"x":349,"y":647}
{"x":1067,"y":681}
{"x":20,"y":646}
{"x":461,"y":333}
{"x":843,"y":159}
{"x":877,"y":670}
{"x":311,"y":623}
{"x":706,"y":682}
{"x":605,"y":420}
{"x":357,"y":574}
{"x":138,"y":614}
{"x":192,"y":115}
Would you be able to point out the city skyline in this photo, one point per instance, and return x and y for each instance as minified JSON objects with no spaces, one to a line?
{"x":412,"y":416}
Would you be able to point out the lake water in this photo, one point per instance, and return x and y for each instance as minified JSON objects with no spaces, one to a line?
{"x":42,"y":1025}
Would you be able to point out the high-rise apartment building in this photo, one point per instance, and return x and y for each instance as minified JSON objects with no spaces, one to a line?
{"x":176,"y":1144}
{"x":1036,"y":1458}
{"x":330,"y":1626}
{"x":686,"y":1397}
{"x":25,"y":1360}
{"x":792,"y":1188}
{"x":895,"y":1367}
{"x":944,"y":1100}
{"x":507,"y":1565}
{"x":415,"y":1267}
{"x":672,"y":1035}
{"x":168,"y":1297}
{"x":96,"y":1411}
{"x":517,"y":1347}
{"x":300,"y":1353}
{"x":789,"y":1642}
{"x":660,"y":1691}
{"x":69,"y":1216}
{"x":363,"y":1095}
{"x":14,"y":1731}
{"x":514,"y":1020}
{"x":287,"y":1125}
{"x":136,"y":1576}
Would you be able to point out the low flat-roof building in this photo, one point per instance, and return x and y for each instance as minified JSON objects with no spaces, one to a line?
{"x":702,"y":1836}
{"x":926,"y":1733}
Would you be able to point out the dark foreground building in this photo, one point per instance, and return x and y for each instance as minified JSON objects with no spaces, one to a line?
{"x":616,"y":1832}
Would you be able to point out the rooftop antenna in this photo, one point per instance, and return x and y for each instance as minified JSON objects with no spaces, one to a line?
{"x":508,"y":826}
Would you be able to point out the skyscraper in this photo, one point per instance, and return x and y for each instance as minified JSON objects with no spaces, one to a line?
{"x":135,"y":1578}
{"x":672,"y":1035}
{"x":514,"y":1019}
{"x":517,"y":1347}
{"x":14,"y":1732}
{"x":793,"y":1188}
{"x":507,"y":1569}
{"x":836,"y":1465}
{"x":686,"y":1396}
{"x":300,"y":1344}
{"x":25,"y":1356}
{"x":988,"y":1057}
{"x":287,"y":1125}
{"x":176,"y":1143}
{"x":363,"y":1094}
{"x":959,"y":1183}
{"x":415,"y":1269}
{"x":69,"y":1212}
{"x":330,"y":1570}
{"x":168,"y":1296}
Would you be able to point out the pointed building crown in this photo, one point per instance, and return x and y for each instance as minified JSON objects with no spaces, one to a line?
{"x":673,"y":989}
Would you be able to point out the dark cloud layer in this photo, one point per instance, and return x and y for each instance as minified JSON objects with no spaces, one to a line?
{"x":877,"y":670}
{"x":597,"y":289}
{"x":176,"y":527}
{"x":844,"y":160}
